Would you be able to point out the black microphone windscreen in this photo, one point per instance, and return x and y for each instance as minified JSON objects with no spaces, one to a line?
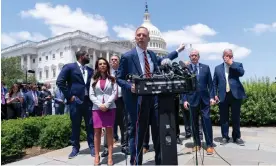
{"x":174,"y":64}
{"x":182,"y":64}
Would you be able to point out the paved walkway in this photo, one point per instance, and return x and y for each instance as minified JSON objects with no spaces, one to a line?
{"x":260,"y":149}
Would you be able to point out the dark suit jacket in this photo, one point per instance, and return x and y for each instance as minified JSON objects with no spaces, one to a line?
{"x":130,"y":64}
{"x":70,"y":81}
{"x":235,"y":72}
{"x":30,"y":101}
{"x":204,"y":87}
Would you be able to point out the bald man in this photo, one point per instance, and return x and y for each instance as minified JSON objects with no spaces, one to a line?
{"x":199,"y":102}
{"x":229,"y":92}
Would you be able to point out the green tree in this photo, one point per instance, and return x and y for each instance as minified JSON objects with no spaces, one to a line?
{"x":11,"y":71}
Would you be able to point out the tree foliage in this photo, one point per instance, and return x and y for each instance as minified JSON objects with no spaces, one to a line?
{"x":11,"y":71}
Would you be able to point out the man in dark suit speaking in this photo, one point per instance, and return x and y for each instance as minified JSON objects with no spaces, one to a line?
{"x":74,"y":82}
{"x":230,"y":94}
{"x":140,"y":61}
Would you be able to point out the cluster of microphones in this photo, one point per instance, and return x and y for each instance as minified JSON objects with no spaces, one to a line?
{"x":173,"y":68}
{"x":168,"y":69}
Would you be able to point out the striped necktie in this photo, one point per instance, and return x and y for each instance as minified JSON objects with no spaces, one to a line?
{"x":147,"y":66}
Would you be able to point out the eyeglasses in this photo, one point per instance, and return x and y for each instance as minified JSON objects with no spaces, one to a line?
{"x":114,"y":59}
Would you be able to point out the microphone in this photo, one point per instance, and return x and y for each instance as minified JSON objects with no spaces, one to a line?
{"x":166,"y":61}
{"x":185,"y":67}
{"x":177,"y":69}
{"x":166,"y":65}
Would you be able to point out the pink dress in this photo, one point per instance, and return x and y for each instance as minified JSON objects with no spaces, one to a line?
{"x":103,"y":119}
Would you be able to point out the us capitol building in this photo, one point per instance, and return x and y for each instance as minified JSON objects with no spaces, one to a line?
{"x":48,"y":56}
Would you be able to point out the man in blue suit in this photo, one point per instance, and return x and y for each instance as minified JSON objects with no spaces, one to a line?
{"x":230,"y":94}
{"x":32,"y":101}
{"x":199,"y":102}
{"x":74,"y":82}
{"x":140,"y":61}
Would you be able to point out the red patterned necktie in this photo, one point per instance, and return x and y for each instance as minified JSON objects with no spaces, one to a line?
{"x":147,"y":66}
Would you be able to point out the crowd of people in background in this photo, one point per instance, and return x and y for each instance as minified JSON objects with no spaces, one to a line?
{"x":28,"y":100}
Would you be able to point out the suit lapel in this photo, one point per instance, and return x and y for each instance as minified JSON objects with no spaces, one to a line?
{"x":107,"y":82}
{"x":89,"y":75}
{"x":191,"y":68}
{"x":153,"y":60}
{"x":200,"y":68}
{"x":223,"y":70}
{"x":79,"y":71}
{"x":136,"y":61}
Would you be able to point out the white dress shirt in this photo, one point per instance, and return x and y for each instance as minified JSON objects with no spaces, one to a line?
{"x":84,"y":75}
{"x":142,"y":61}
{"x":226,"y":68}
{"x":112,"y":72}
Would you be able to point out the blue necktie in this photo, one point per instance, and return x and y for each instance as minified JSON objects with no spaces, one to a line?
{"x":196,"y":72}
{"x":82,"y":68}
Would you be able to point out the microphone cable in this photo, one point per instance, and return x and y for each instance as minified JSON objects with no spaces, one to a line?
{"x":193,"y":132}
{"x":213,"y":147}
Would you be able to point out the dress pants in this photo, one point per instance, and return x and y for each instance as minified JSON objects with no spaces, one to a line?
{"x":139,"y":125}
{"x":224,"y":106}
{"x":77,"y":111}
{"x":202,"y":110}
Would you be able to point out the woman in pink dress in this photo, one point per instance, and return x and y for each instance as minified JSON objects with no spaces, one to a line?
{"x":102,"y":94}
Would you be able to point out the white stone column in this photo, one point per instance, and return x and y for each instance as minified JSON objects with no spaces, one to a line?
{"x":94,"y":58}
{"x":22,"y":62}
{"x":28,"y":62}
{"x":107,"y":56}
{"x":72,"y":54}
{"x":101,"y":54}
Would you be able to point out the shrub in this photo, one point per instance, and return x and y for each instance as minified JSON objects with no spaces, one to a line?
{"x":12,"y":140}
{"x":56,"y":133}
{"x":259,"y":108}
{"x":48,"y":132}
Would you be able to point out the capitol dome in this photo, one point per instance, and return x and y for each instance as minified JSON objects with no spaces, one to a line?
{"x":157,"y":44}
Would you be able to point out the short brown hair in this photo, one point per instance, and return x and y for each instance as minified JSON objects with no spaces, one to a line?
{"x":140,"y":28}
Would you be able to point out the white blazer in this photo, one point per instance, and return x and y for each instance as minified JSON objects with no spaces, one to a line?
{"x":97,"y":95}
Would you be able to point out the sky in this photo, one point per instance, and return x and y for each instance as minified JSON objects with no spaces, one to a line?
{"x":248,"y":27}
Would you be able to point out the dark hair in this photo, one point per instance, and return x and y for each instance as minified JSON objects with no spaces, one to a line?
{"x":140,"y":28}
{"x":11,"y":92}
{"x":80,"y":53}
{"x":97,"y":74}
{"x":116,"y":56}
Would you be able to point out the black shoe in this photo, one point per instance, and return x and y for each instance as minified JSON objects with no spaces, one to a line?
{"x":125,"y":151}
{"x":188,"y":136}
{"x":105,"y":153}
{"x":178,"y":141}
{"x":92,"y":152}
{"x":74,"y":153}
{"x":224,"y":141}
{"x":239,"y":141}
